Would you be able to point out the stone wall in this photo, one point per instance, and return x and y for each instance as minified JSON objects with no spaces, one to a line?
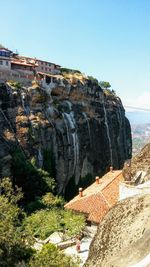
{"x":16,"y":75}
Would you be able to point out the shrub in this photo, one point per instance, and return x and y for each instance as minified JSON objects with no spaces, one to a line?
{"x":66,"y":70}
{"x":51,"y":256}
{"x":93,"y":80}
{"x":13,"y":248}
{"x":108,"y":92}
{"x":74,"y":223}
{"x":50,"y":200}
{"x":44,"y":222}
{"x":15,"y":85}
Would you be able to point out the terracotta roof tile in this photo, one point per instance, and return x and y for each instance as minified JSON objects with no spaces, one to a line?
{"x":98,"y":198}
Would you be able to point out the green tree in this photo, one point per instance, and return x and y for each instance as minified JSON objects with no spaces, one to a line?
{"x":104,"y":84}
{"x":13,"y":240}
{"x":50,"y":256}
{"x":49,"y":200}
{"x":44,"y":222}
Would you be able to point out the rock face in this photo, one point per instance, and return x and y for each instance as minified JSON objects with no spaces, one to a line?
{"x":123,"y":237}
{"x":81,"y":127}
{"x":138,"y":169}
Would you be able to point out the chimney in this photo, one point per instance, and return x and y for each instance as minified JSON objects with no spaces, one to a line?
{"x":97,"y":179}
{"x":80,"y":192}
{"x":111,"y":169}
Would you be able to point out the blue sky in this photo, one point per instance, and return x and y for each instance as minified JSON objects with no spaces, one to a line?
{"x":107,"y":39}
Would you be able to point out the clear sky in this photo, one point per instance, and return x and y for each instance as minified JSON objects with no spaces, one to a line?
{"x":108,"y":39}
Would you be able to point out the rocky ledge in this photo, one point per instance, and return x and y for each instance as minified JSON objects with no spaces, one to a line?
{"x":123,"y":237}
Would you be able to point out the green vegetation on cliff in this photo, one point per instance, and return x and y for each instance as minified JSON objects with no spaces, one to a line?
{"x":17,"y":231}
{"x":34,"y":181}
{"x":13,"y":248}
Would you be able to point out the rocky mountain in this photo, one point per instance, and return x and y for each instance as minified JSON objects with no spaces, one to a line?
{"x":123,"y":237}
{"x":66,"y":122}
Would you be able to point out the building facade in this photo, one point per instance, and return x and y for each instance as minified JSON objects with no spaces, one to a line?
{"x":11,"y":63}
{"x":41,"y":65}
{"x":5,"y":58}
{"x":47,"y":67}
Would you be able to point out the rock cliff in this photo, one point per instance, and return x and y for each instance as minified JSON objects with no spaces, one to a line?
{"x":123,"y":237}
{"x":138,"y":169}
{"x":69,"y":122}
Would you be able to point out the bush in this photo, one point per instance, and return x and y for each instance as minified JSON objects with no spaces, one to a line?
{"x":49,"y":200}
{"x":34,"y":205}
{"x":74,"y":223}
{"x":15,"y":85}
{"x":44,"y":222}
{"x":108,"y":92}
{"x":13,"y":239}
{"x":66,"y":70}
{"x":93,"y":80}
{"x":51,"y":256}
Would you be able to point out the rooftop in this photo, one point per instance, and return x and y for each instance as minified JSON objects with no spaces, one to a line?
{"x":97,"y":199}
{"x":31,"y":58}
{"x":23,"y":63}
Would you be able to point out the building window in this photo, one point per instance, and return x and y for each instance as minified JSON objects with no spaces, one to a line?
{"x":6,"y":63}
{"x":1,"y":62}
{"x":45,"y":69}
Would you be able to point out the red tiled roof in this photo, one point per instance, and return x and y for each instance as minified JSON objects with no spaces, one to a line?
{"x":98,"y":198}
{"x":39,"y":60}
{"x":22,"y":63}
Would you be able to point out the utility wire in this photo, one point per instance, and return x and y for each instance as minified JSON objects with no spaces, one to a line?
{"x":138,"y":108}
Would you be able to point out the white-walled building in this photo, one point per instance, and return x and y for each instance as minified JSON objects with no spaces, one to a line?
{"x":5,"y":58}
